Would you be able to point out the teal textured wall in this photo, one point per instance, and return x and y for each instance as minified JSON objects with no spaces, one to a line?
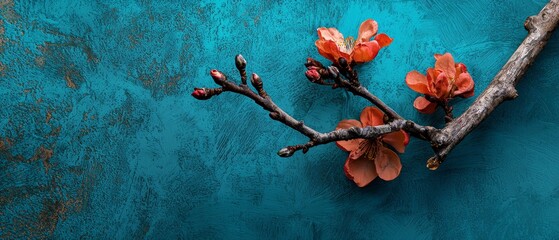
{"x":101,"y":138}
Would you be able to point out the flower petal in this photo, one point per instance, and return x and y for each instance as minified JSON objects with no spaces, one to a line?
{"x":383,"y":40}
{"x":361,"y":171}
{"x":424,"y":106}
{"x":349,"y":145}
{"x":432,"y":75}
{"x":328,"y":49}
{"x":330,"y":34}
{"x":460,"y":68}
{"x":372,"y":116}
{"x":464,"y":86}
{"x":367,"y":30}
{"x":445,"y":63}
{"x":365,"y":52}
{"x":387,"y":164}
{"x":398,"y":140}
{"x":417,"y":82}
{"x":441,"y":88}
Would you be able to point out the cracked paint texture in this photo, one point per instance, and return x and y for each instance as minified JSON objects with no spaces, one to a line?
{"x":100,"y":138}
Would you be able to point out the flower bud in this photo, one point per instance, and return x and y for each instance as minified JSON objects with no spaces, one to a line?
{"x":256,"y":81}
{"x":218,"y":77}
{"x":313,"y":75}
{"x":313,"y":63}
{"x":240,"y":62}
{"x":201,"y":94}
{"x":334,"y":72}
{"x":285,"y":152}
{"x":462,"y":67}
{"x":343,"y":62}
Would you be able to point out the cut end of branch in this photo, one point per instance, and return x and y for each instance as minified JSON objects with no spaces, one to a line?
{"x":433,"y":163}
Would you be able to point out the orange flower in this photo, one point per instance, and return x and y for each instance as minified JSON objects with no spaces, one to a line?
{"x":370,"y":158}
{"x":442,"y":83}
{"x":332,"y":45}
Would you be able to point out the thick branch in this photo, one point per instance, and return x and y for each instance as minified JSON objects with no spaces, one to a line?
{"x":503,"y":85}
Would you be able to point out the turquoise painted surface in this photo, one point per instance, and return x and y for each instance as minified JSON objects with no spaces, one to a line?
{"x":100,"y":138}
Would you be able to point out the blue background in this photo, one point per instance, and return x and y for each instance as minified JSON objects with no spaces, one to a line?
{"x":101,"y":138}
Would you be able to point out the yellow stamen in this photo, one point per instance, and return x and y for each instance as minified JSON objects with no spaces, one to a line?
{"x":347,"y":44}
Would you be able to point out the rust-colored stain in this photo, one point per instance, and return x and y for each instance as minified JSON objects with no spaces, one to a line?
{"x":48,"y":117}
{"x":3,"y":40}
{"x":49,"y":216}
{"x":69,"y":81}
{"x":41,"y":153}
{"x":7,"y":11}
{"x":72,"y":76}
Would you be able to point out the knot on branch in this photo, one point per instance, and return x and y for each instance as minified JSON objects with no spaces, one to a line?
{"x":274,"y":115}
{"x":511,"y":93}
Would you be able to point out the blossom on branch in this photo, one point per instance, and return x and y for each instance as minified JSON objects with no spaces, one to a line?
{"x":370,"y":158}
{"x":332,"y":44}
{"x":442,"y":83}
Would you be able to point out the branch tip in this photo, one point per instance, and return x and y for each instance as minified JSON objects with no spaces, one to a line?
{"x":241,"y":64}
{"x":286,"y":152}
{"x":218,"y":77}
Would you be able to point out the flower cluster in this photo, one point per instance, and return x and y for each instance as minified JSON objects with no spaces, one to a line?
{"x":372,"y":158}
{"x":333,"y":46}
{"x":442,"y":83}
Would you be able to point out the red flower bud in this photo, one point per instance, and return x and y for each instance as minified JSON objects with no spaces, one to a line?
{"x":462,"y":67}
{"x":201,"y":94}
{"x":313,"y":63}
{"x":218,"y":77}
{"x":313,"y":75}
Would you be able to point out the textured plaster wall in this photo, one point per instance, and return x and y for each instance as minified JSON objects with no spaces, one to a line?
{"x":99,"y":136}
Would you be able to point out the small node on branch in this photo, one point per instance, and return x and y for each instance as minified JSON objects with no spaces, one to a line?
{"x":274,"y":115}
{"x":258,"y":85}
{"x":241,"y":64}
{"x":335,"y":73}
{"x":206,"y":93}
{"x":529,"y":23}
{"x":512,"y":93}
{"x":218,"y":77}
{"x":343,"y":63}
{"x":286,"y":152}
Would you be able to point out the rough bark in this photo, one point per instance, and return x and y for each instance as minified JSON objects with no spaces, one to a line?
{"x":502,"y":88}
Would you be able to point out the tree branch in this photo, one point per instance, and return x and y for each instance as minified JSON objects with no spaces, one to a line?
{"x":442,"y":141}
{"x":503,"y":85}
